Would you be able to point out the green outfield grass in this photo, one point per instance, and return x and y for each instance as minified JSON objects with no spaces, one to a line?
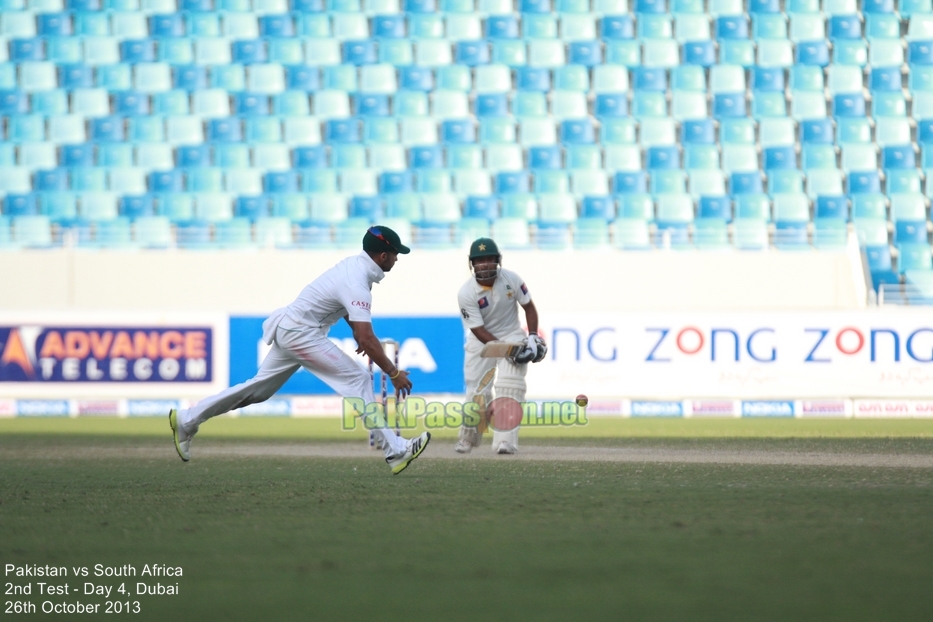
{"x":265,"y":538}
{"x":329,"y":429}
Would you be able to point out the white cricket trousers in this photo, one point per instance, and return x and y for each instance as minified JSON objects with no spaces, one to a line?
{"x":292,"y":349}
{"x":509,"y":382}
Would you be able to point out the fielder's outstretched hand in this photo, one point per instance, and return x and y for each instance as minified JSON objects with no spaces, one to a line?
{"x":401,"y":383}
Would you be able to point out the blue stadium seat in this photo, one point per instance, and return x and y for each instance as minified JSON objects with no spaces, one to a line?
{"x":359,"y":52}
{"x":471,"y":53}
{"x":832,"y":207}
{"x":715,"y":207}
{"x":849,"y":105}
{"x":911,"y":232}
{"x":189,"y":77}
{"x":533,"y":79}
{"x":300,"y":78}
{"x":76,"y":155}
{"x":389,"y":26}
{"x":420,"y":6}
{"x":702,"y":53}
{"x":13,"y":102}
{"x":369,"y":208}
{"x":26,"y":49}
{"x":813,"y":53}
{"x":879,"y":258}
{"x":816,"y":131}
{"x":780,"y":158}
{"x":576,"y":132}
{"x":610,"y":105}
{"x":920,"y":52}
{"x":845,"y":27}
{"x":878,"y":6}
{"x":545,"y":158}
{"x":510,"y":182}
{"x":598,"y":207}
{"x":248,"y":52}
{"x":492,"y":105}
{"x":107,"y":129}
{"x":586,"y":53}
{"x":700,"y":131}
{"x":137,"y":51}
{"x":619,"y":27}
{"x":914,"y":256}
{"x":429,"y":157}
{"x":481,"y":207}
{"x":55,"y":180}
{"x":416,"y":78}
{"x":649,"y":79}
{"x":172,"y":25}
{"x":729,"y":105}
{"x":863,"y":182}
{"x":371,"y":105}
{"x":885,"y":79}
{"x":395,"y":182}
{"x":20,"y":205}
{"x":131,"y":104}
{"x":898,"y":157}
{"x":309,"y":157}
{"x":502,"y":27}
{"x":306,"y":6}
{"x":133,"y":207}
{"x":767,"y":79}
{"x":634,"y":182}
{"x":53,"y":24}
{"x":732,"y":27}
{"x":458,"y":131}
{"x":663,"y":158}
{"x":278,"y":182}
{"x":745,"y":183}
{"x":342,"y":131}
{"x":276,"y":26}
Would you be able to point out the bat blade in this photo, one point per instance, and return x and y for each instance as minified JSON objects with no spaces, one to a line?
{"x":500,"y":349}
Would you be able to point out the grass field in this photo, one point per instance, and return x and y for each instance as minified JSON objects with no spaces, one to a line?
{"x":272,"y":537}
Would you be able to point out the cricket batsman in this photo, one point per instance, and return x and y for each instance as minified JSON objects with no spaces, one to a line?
{"x":298,"y":336}
{"x":489,"y":304}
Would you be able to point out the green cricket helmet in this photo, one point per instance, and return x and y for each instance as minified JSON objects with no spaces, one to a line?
{"x":480,"y":248}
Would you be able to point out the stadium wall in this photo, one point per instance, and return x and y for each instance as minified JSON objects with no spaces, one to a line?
{"x":426,"y":282}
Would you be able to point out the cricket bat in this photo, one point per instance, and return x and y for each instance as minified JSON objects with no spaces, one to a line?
{"x":500,"y":349}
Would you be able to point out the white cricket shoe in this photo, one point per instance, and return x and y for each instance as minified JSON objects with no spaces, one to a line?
{"x":506,"y":448}
{"x":463,"y":446}
{"x":181,"y":435}
{"x":399,"y":462}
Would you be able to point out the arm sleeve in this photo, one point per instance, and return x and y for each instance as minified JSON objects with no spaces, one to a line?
{"x":469,"y":311}
{"x":358,"y":302}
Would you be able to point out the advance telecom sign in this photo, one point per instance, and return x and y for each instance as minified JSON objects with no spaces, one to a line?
{"x":873,"y":353}
{"x":430,"y":348}
{"x":106,"y":353}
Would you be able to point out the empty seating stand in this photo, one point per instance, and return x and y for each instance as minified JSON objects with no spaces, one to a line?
{"x":549,"y":124}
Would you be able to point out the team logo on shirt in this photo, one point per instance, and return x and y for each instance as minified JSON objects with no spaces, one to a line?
{"x":483,"y":303}
{"x":524,"y":289}
{"x":360,"y":303}
{"x":464,"y":313}
{"x":508,"y":291}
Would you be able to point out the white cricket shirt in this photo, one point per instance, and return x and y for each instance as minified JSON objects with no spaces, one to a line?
{"x":345,"y":289}
{"x":494,"y":307}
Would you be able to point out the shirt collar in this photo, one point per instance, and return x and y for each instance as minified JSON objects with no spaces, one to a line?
{"x":373,"y":272}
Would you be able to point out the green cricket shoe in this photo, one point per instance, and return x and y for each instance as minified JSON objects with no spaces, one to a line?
{"x":182,"y":438}
{"x":416,"y":445}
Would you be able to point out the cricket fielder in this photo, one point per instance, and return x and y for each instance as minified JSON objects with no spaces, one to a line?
{"x":489,"y":305}
{"x":298,"y":336}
